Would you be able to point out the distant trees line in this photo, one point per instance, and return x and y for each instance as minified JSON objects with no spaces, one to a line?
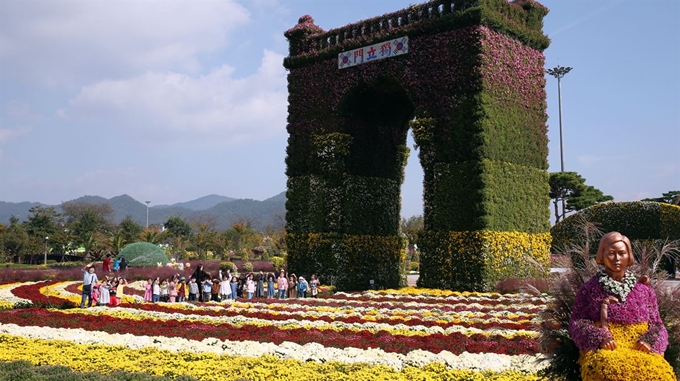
{"x":88,"y":226}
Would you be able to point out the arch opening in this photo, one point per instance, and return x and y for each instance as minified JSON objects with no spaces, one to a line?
{"x":376,"y":115}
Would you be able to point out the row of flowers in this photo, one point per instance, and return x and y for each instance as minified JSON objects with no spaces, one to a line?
{"x":348,"y":329}
{"x":211,"y":366}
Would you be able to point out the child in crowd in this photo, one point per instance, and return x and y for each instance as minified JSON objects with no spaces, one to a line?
{"x":120,"y":291}
{"x":282,"y":284}
{"x":234,"y":287}
{"x":104,"y":296}
{"x":182,"y":289}
{"x":156,"y":293}
{"x":302,"y":287}
{"x":172,"y":290}
{"x":164,"y":291}
{"x":259,"y":289}
{"x":193,"y":290}
{"x":207,"y":289}
{"x":292,"y":286}
{"x":95,"y":294}
{"x":215,"y":290}
{"x":113,"y":291}
{"x":314,"y":285}
{"x":148,"y":290}
{"x":250,"y":286}
{"x":270,"y":286}
{"x":225,"y":288}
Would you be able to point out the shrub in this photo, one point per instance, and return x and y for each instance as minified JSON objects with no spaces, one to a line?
{"x":224,"y":266}
{"x":278,"y":263}
{"x":414,"y":266}
{"x":636,"y":220}
{"x":248,"y":266}
{"x":143,"y":254}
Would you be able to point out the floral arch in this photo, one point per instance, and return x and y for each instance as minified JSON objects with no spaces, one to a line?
{"x":470,"y":84}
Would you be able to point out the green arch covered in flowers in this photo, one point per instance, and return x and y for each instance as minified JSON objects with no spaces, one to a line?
{"x":471,"y":88}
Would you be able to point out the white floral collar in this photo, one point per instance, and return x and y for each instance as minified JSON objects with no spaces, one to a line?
{"x":622,"y":288}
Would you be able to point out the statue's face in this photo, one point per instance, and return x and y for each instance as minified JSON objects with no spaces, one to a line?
{"x":616,"y":258}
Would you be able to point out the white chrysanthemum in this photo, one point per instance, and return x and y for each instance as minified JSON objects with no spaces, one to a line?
{"x":308,"y":352}
{"x":6,"y":294}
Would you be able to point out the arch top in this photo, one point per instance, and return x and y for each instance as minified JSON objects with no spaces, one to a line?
{"x":520,"y":19}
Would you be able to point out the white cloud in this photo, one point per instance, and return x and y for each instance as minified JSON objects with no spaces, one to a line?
{"x":53,"y":43}
{"x":7,"y":134}
{"x":173,"y":106}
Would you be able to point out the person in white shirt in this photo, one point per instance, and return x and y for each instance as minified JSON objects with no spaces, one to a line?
{"x":89,"y":280}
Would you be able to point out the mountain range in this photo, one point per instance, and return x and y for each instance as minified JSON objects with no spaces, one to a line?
{"x":223,"y":210}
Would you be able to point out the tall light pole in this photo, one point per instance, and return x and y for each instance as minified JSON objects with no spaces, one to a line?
{"x":46,"y":248}
{"x":147,"y":213}
{"x":559,"y":72}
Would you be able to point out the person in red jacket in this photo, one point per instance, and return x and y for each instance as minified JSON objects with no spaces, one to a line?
{"x":106,"y":266}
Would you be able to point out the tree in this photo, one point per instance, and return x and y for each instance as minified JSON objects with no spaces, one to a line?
{"x":177,"y":234}
{"x":411,"y":228}
{"x":116,"y":241}
{"x":204,"y":235}
{"x":42,"y":222}
{"x":129,"y":230}
{"x":89,"y":224}
{"x":241,"y":237}
{"x":14,"y":239}
{"x":569,"y":189}
{"x":671,"y":197}
{"x":95,"y":244}
{"x":150,"y":235}
{"x":175,"y":226}
{"x":45,"y":231}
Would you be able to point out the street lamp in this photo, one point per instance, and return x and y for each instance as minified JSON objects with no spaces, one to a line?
{"x":46,"y":239}
{"x":147,"y":213}
{"x":558,"y":73}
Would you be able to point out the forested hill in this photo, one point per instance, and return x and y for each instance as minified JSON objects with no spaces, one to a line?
{"x":223,"y":210}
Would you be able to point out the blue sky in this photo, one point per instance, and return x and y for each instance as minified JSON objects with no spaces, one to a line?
{"x":171,"y":101}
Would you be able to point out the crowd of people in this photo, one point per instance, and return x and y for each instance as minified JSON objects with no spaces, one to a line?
{"x":107,"y":291}
{"x":203,"y":287}
{"x":199,"y":287}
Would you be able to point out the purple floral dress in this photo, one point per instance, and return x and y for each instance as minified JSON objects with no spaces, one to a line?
{"x":636,"y":318}
{"x":640,"y":307}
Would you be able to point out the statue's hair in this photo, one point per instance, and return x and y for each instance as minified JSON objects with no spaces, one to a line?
{"x":610,"y":239}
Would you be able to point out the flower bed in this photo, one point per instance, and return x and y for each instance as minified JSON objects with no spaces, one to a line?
{"x":412,"y":334}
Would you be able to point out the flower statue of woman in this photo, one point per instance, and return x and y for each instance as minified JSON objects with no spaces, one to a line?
{"x":615,"y":322}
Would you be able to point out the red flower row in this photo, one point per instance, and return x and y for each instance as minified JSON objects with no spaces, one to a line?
{"x":455,"y":343}
{"x":268,"y":315}
{"x":32,"y":293}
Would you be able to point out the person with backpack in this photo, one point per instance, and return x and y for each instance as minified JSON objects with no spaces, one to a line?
{"x":89,"y":280}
